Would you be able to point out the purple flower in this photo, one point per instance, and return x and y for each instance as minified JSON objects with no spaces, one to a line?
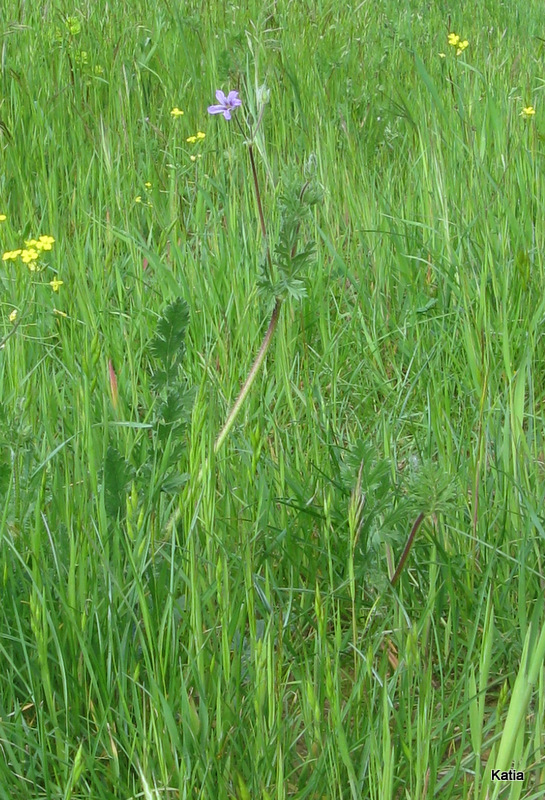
{"x":226,"y":104}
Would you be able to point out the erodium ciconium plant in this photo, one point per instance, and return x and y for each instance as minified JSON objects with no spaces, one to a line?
{"x":282,"y":268}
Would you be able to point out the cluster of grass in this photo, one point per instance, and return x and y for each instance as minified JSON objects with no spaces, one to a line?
{"x":259,"y":648}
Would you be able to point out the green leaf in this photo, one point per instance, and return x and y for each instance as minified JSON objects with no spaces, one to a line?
{"x":5,"y":468}
{"x":117,"y":474}
{"x":290,"y":288}
{"x":168,"y":344}
{"x":160,"y":379}
{"x":428,"y":306}
{"x":174,"y":482}
{"x":177,"y":406}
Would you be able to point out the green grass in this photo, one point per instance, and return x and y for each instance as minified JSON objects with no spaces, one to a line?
{"x":257,"y":649}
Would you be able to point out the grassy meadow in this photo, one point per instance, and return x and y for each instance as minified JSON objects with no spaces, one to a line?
{"x":345,"y":598}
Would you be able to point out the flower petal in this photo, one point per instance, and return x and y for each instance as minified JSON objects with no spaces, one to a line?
{"x":220,"y":97}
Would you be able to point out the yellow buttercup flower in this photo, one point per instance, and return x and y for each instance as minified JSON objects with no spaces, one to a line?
{"x":3,"y":217}
{"x":31,"y":252}
{"x":45,"y":242}
{"x":55,"y":284}
{"x":176,"y":112}
{"x":11,"y":255}
{"x":456,"y":41}
{"x":42,"y":243}
{"x":529,"y":111}
{"x":29,"y":255}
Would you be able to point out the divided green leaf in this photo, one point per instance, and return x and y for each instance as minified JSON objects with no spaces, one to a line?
{"x":167,"y":346}
{"x":116,"y":476}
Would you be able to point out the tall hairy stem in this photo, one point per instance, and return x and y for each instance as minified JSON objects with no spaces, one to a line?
{"x":229,"y":422}
{"x":251,"y":376}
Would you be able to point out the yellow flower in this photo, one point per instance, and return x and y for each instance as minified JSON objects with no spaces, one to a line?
{"x":138,"y":199}
{"x":55,"y":284}
{"x":442,"y":55}
{"x":29,"y":255}
{"x":176,"y":112}
{"x":147,"y":185}
{"x":13,"y":315}
{"x":11,"y":255}
{"x":45,"y":242}
{"x":529,"y":111}
{"x":455,"y":41}
{"x":2,"y":217}
{"x":193,"y":139}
